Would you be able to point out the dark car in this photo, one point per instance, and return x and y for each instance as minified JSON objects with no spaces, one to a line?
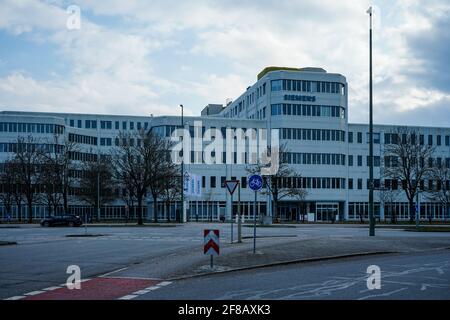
{"x":71,"y":221}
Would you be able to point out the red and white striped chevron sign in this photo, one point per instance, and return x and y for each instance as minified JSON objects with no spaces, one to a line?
{"x":211,"y":242}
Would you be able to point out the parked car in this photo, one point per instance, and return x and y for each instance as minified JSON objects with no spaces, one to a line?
{"x":53,"y":221}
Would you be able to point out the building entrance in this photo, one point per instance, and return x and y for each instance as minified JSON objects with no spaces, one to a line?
{"x":327,"y":211}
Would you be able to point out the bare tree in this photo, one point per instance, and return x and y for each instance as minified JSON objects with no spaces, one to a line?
{"x":57,"y":167}
{"x":408,"y":161}
{"x":284,"y":183}
{"x":134,"y":163}
{"x":27,"y":160}
{"x":387,"y":197}
{"x":7,"y":186}
{"x":440,"y":175}
{"x":170,"y":192}
{"x":96,"y":182}
{"x":163,"y":173}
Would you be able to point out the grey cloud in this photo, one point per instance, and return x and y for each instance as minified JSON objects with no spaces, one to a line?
{"x":432,"y":48}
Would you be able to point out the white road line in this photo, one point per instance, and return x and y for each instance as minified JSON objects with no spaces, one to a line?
{"x":141,"y":292}
{"x":51,"y":288}
{"x":128,"y":297}
{"x":33,"y":293}
{"x":152,"y":288}
{"x":112,"y":272}
{"x":15,"y":298}
{"x":164,"y":283}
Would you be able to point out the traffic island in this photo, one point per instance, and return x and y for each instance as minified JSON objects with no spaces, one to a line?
{"x":311,"y":250}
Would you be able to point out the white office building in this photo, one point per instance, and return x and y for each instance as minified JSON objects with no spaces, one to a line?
{"x":309,"y":106}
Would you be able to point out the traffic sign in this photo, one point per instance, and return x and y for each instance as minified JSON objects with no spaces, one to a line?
{"x":231,"y":185}
{"x":255,"y":182}
{"x":211,"y":242}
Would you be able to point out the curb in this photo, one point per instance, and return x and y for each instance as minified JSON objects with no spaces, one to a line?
{"x":282,"y":263}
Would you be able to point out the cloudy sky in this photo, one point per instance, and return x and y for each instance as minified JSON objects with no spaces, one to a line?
{"x":146,"y":57}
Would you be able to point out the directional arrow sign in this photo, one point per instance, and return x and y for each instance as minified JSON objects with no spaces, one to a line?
{"x":231,"y":185}
{"x":211,"y":242}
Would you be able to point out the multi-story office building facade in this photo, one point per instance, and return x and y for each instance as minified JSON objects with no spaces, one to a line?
{"x":308,"y":106}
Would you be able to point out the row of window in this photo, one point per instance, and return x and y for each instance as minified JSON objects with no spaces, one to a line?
{"x":287,"y":182}
{"x":307,"y":110}
{"x":312,"y":134}
{"x":376,"y":162}
{"x":249,"y":99}
{"x":31,"y":127}
{"x":108,"y":125}
{"x":82,"y":139}
{"x":315,"y":158}
{"x":82,"y":156}
{"x":31,"y":147}
{"x":307,"y":86}
{"x":392,"y":184}
{"x":393,"y":161}
{"x":394,"y":138}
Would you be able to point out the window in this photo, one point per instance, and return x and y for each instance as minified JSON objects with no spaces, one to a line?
{"x":131,"y":125}
{"x":359,"y":161}
{"x":350,"y":184}
{"x":438,"y":141}
{"x":360,"y":186}
{"x":124,"y":125}
{"x":222,"y":181}
{"x":72,"y":123}
{"x":376,"y":162}
{"x":350,"y":161}
{"x":350,"y":137}
{"x":277,"y":85}
{"x":106,"y":125}
{"x":359,"y":137}
{"x":447,"y":141}
{"x":376,"y":137}
{"x":244,"y":182}
{"x":213,"y":182}
{"x":421,"y":140}
{"x":430,"y":140}
{"x":117,"y":125}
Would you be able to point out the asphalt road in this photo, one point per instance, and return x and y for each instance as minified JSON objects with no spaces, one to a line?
{"x":42,"y":255}
{"x":418,"y":276}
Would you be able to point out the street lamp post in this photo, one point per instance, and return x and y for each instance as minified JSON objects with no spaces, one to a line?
{"x":182,"y":167}
{"x":447,"y":206}
{"x":371,"y":186}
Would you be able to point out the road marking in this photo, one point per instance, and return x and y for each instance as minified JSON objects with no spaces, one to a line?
{"x":112,"y":272}
{"x":152,"y":288}
{"x":103,"y":288}
{"x":51,"y":288}
{"x":33,"y":293}
{"x":141,"y":292}
{"x":15,"y":298}
{"x":128,"y":297}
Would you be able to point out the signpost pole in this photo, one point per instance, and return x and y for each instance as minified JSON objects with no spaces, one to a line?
{"x":239,"y":215}
{"x":212,"y":263}
{"x":231,"y":218}
{"x":254,"y":224}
